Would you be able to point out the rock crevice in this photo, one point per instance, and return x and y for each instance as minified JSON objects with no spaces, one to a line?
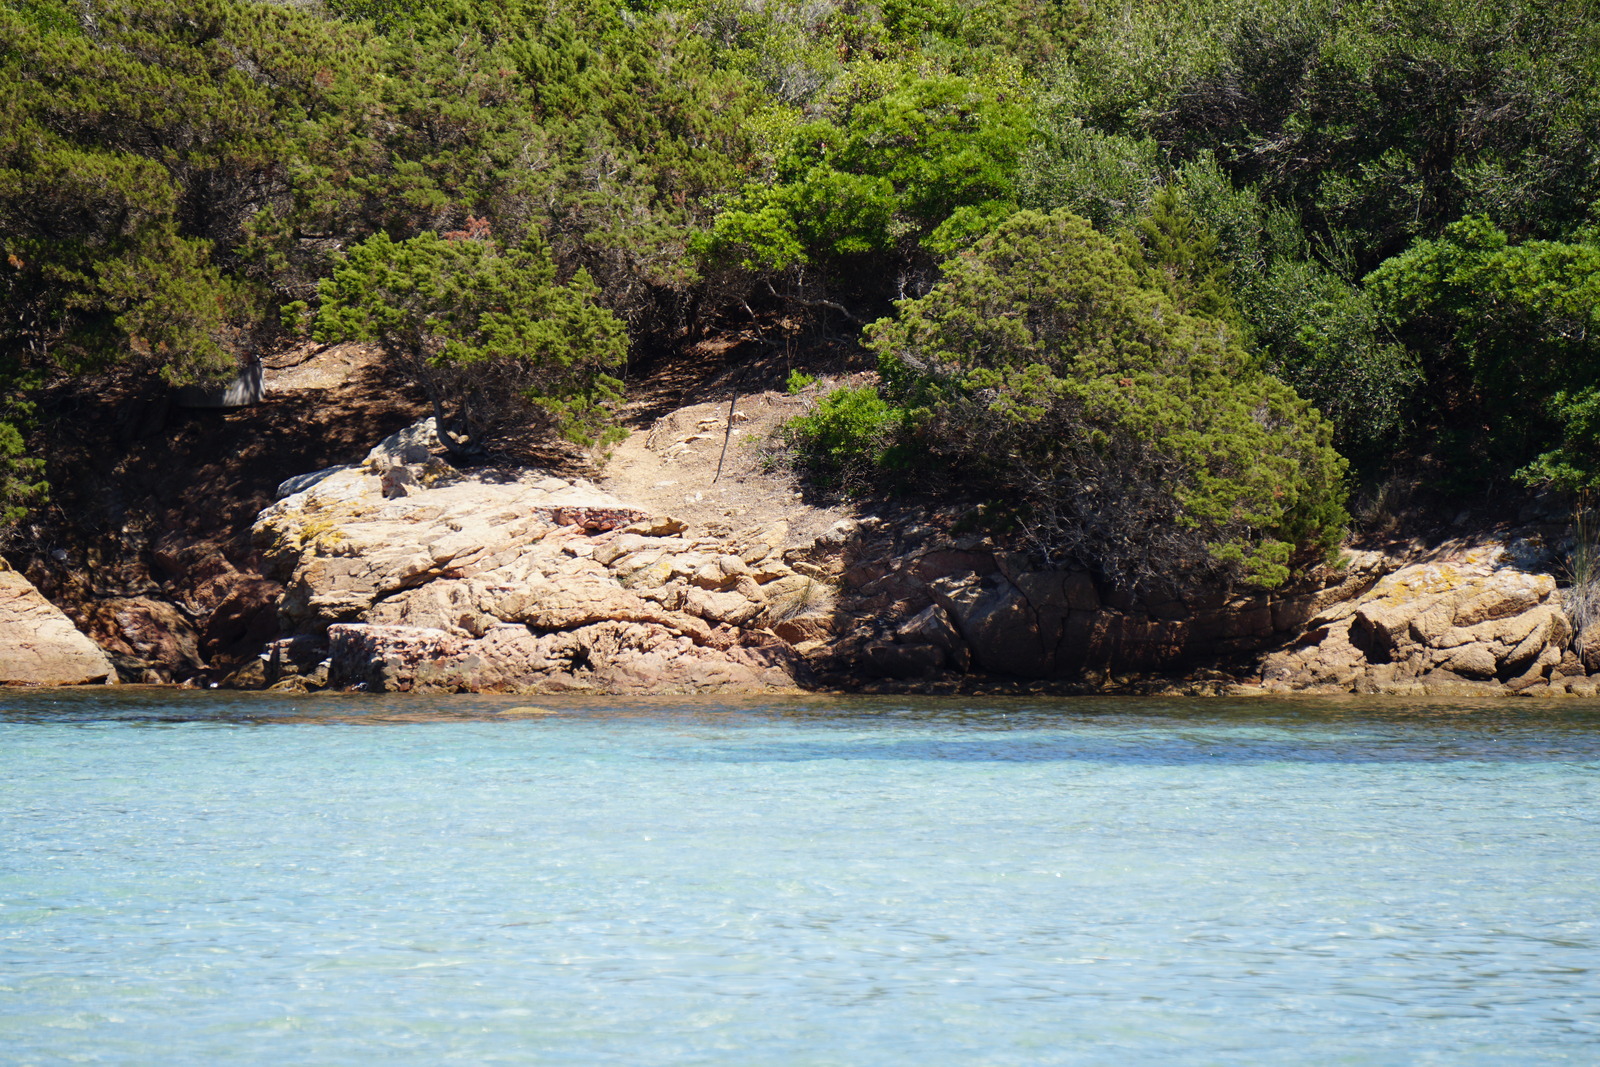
{"x":517,"y":581}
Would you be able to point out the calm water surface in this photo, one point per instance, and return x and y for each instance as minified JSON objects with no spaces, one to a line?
{"x":193,"y":879}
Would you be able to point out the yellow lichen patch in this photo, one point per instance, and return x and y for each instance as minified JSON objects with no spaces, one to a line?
{"x":1412,"y":582}
{"x":321,"y":534}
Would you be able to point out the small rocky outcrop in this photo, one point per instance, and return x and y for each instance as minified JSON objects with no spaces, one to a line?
{"x":38,"y":644}
{"x":918,"y":601}
{"x":1458,"y":622}
{"x":415,"y":576}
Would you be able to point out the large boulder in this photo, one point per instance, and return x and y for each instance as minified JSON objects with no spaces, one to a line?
{"x":1472,"y":616}
{"x":38,"y":644}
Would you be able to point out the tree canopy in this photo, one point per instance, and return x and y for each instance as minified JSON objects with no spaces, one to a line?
{"x":487,"y":331}
{"x":1130,"y":434}
{"x":1387,"y":205}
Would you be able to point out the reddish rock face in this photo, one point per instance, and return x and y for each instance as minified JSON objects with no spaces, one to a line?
{"x":38,"y":644}
{"x":604,"y":657}
{"x":149,"y":640}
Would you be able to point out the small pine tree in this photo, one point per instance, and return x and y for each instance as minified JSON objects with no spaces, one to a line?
{"x":1122,"y":430}
{"x":1177,"y":253}
{"x":488,"y":332}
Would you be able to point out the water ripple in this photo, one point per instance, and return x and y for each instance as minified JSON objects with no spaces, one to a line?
{"x":200,"y":879}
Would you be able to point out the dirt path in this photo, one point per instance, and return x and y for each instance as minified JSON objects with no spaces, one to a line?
{"x":692,"y":465}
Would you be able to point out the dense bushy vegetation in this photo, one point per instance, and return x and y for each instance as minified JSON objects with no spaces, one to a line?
{"x":1124,"y":431}
{"x":1279,"y":219}
{"x":485,"y":330}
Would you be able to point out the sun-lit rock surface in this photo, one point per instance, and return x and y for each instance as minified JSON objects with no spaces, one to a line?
{"x":38,"y":644}
{"x":1473,"y":617}
{"x":422,"y":577}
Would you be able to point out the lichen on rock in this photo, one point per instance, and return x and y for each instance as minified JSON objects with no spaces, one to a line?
{"x":1469,"y":617}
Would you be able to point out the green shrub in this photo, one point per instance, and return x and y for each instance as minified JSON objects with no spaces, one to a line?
{"x":850,"y":439}
{"x":798,"y":382}
{"x":1136,"y":438}
{"x":1382,"y":122}
{"x":22,"y":483}
{"x":487,"y":331}
{"x":1573,"y":464}
{"x":1106,"y":178}
{"x":1514,"y":330}
{"x":1325,"y":337}
{"x":889,"y":172}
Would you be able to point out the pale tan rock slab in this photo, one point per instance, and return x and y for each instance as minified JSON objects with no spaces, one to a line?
{"x":39,"y":645}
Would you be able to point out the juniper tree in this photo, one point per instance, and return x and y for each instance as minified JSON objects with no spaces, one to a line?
{"x":1120,"y":430}
{"x":487,"y":331}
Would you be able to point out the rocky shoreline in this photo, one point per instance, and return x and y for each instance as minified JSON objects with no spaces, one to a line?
{"x":401,"y":573}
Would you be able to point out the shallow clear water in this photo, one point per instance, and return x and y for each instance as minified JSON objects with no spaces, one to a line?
{"x":193,"y":879}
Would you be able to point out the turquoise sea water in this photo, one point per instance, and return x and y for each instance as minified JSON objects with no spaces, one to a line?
{"x":195,"y":879}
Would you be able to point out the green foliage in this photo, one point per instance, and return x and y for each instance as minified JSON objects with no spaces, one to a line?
{"x":1573,"y":465}
{"x":384,"y":14}
{"x":1176,"y":252}
{"x":132,"y":163}
{"x":888,"y":175}
{"x":50,"y":16}
{"x":142,"y":144}
{"x":1324,"y":337}
{"x":21,"y":476}
{"x":487,"y":331}
{"x":1520,"y":323}
{"x":609,"y":128}
{"x":1105,"y":178}
{"x":798,"y":381}
{"x":1135,"y":437}
{"x":1385,"y":120}
{"x":173,"y":174}
{"x":800,"y":50}
{"x":850,"y":438}
{"x":1315,"y":328}
{"x":20,"y":484}
{"x":968,"y":32}
{"x":1221,"y":250}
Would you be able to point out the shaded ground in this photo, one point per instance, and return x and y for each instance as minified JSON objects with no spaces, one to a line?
{"x":755,"y":358}
{"x":151,"y":504}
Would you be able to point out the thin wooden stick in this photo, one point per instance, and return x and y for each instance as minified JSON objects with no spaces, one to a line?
{"x":726,"y":434}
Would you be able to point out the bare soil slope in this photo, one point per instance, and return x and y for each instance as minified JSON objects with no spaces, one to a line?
{"x":714,"y":467}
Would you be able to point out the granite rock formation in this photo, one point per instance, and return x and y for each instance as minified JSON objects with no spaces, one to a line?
{"x":416,"y":576}
{"x":38,"y":644}
{"x":1457,"y":622}
{"x":404,"y":573}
